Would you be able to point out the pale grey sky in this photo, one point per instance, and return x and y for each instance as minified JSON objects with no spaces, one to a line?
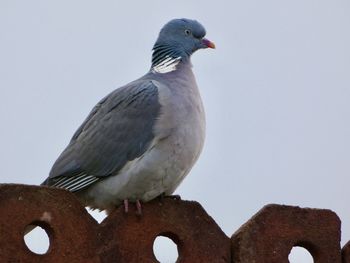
{"x":276,"y":93}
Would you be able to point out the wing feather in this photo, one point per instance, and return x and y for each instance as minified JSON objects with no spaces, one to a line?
{"x":117,"y":130}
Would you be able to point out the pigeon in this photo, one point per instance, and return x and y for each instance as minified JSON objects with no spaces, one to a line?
{"x":140,"y":141}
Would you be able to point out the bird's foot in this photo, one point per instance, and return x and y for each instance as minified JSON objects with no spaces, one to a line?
{"x":126,"y":206}
{"x":138,"y":208}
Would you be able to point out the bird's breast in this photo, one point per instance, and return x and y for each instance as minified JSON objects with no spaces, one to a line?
{"x":182,"y":120}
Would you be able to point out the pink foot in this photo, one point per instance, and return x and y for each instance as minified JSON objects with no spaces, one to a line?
{"x":126,"y":206}
{"x":138,"y":208}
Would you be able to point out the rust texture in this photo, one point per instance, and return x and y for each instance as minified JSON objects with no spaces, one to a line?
{"x":130,"y":237}
{"x":75,"y":236}
{"x":345,"y":253}
{"x":269,"y":236}
{"x":70,"y":228}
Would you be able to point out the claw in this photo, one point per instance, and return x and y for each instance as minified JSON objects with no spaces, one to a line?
{"x":173,"y":197}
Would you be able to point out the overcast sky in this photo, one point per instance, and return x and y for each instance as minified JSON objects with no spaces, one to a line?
{"x":276,"y":93}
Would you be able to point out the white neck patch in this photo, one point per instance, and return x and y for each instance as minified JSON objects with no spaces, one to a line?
{"x":167,"y":65}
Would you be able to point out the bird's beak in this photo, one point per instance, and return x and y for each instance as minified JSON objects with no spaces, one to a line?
{"x":207,"y":43}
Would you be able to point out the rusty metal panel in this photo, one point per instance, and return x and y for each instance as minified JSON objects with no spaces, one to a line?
{"x":269,"y":236}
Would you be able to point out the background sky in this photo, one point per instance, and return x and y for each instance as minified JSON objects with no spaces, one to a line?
{"x":276,"y":93}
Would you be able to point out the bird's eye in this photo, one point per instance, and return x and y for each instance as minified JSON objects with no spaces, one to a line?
{"x":188,"y":32}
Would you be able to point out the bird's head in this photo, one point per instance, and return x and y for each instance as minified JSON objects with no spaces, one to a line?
{"x":180,"y":38}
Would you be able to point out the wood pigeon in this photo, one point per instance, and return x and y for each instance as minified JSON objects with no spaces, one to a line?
{"x":140,"y":141}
